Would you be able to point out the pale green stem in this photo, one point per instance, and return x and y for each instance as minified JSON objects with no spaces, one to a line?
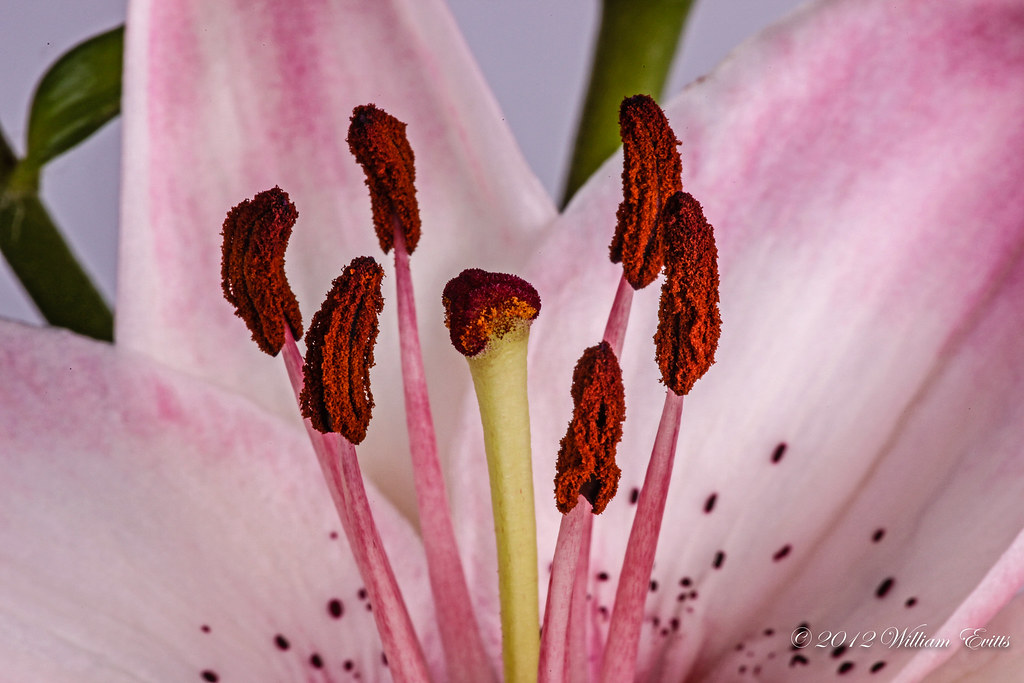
{"x":499,"y":377}
{"x":635,"y":47}
{"x":43,"y":262}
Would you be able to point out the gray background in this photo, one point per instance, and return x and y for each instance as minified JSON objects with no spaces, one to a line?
{"x":534,"y":54}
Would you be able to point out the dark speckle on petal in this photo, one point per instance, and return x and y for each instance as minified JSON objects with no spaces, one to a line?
{"x":719,"y":560}
{"x":878,"y":535}
{"x":777,"y":454}
{"x":845,"y":667}
{"x":335,"y":608}
{"x":281,"y":642}
{"x":210,"y":676}
{"x":782,"y":552}
{"x":884,"y":587}
{"x":709,"y":504}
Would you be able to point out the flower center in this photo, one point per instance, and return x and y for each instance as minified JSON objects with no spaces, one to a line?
{"x":488,"y":316}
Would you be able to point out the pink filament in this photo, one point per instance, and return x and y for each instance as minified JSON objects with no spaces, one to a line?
{"x":460,"y":636}
{"x":619,"y":663}
{"x":554,"y":647}
{"x":337,"y":458}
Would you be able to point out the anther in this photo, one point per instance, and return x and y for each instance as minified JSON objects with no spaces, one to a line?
{"x":586,"y":457}
{"x":689,"y":323}
{"x":256,"y":235}
{"x":339,"y":352}
{"x":651,"y":173}
{"x":379,"y":144}
{"x":481,"y":307}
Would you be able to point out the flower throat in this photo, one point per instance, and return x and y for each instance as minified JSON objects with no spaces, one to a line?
{"x":659,"y":228}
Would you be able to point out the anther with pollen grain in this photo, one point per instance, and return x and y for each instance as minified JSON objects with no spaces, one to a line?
{"x":586,"y":457}
{"x":256,"y":235}
{"x":481,"y":306}
{"x":339,"y":352}
{"x":379,"y":144}
{"x":651,"y":173}
{"x":689,"y":323}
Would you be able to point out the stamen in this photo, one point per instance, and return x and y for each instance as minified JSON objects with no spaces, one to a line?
{"x":340,"y":467}
{"x":481,"y":307}
{"x":379,"y":144}
{"x":586,"y":459}
{"x":465,"y":656}
{"x":689,"y":323}
{"x":688,"y":331}
{"x":339,"y":352}
{"x":256,"y":235}
{"x":489,"y":316}
{"x":651,"y":173}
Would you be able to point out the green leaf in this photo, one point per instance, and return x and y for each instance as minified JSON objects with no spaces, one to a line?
{"x":636,"y":44}
{"x":77,"y":96}
{"x":43,"y":262}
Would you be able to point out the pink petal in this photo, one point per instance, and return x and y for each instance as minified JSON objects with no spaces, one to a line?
{"x":225,"y":99}
{"x":991,"y":661}
{"x":138,"y":507}
{"x":861,"y":166}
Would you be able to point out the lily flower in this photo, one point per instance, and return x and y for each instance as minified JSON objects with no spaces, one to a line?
{"x":848,"y":475}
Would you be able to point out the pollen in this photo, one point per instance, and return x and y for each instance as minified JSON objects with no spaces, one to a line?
{"x":379,"y":144}
{"x":256,"y":236}
{"x":651,"y":173}
{"x":481,"y":307}
{"x":689,"y":323}
{"x":586,"y":457}
{"x":339,"y":352}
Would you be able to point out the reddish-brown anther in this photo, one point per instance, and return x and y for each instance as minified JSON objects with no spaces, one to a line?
{"x":651,"y":173}
{"x":689,"y":324}
{"x":586,"y":457}
{"x":256,"y":235}
{"x":339,"y":352}
{"x":480,"y":306}
{"x":378,"y":141}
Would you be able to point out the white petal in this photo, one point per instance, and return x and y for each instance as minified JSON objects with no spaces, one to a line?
{"x":226,"y":99}
{"x":138,"y":507}
{"x":865,"y":190}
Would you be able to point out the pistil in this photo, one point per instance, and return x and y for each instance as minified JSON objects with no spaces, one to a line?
{"x":488,"y":315}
